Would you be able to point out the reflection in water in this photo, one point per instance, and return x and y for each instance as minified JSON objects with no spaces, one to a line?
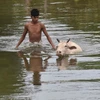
{"x":34,"y":64}
{"x":27,"y":8}
{"x":63,"y":62}
{"x":36,"y":78}
{"x":45,"y":8}
{"x":75,"y":19}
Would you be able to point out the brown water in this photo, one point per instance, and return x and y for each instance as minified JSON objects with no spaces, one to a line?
{"x":77,"y":78}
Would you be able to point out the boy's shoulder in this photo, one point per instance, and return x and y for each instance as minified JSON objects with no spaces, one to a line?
{"x":42,"y":24}
{"x":28,"y":23}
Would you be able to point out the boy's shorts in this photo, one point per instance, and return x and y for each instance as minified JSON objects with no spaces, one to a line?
{"x":32,"y":47}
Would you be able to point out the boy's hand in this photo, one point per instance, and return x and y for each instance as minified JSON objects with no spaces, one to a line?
{"x":16,"y":47}
{"x":54,"y":48}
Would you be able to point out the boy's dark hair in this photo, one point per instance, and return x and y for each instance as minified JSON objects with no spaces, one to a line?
{"x":34,"y":12}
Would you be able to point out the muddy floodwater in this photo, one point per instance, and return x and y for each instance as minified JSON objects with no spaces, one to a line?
{"x":26,"y":76}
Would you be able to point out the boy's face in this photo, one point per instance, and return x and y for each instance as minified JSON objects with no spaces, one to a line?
{"x":35,"y":18}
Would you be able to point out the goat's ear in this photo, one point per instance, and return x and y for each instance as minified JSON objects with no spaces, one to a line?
{"x":58,"y":40}
{"x":68,"y":40}
{"x":72,"y":47}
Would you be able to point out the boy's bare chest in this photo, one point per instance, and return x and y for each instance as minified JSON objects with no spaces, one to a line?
{"x":34,"y":28}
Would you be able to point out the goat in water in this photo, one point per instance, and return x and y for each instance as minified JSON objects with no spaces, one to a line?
{"x":63,"y":50}
{"x":67,"y":48}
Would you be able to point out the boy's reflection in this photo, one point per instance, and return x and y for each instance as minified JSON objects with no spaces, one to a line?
{"x":34,"y":64}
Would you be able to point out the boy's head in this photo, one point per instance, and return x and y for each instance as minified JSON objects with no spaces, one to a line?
{"x":34,"y":12}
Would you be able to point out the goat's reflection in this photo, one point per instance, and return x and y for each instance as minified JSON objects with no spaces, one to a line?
{"x":35,"y":64}
{"x":64,"y":62}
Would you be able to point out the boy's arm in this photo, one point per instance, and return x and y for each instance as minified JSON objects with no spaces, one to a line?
{"x":23,"y":36}
{"x":48,"y":37}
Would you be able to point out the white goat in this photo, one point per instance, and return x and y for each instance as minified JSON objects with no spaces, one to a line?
{"x":67,"y":48}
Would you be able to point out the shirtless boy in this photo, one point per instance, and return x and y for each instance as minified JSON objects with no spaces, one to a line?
{"x":34,"y":29}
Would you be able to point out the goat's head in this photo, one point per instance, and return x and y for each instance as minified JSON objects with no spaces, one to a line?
{"x":66,"y":48}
